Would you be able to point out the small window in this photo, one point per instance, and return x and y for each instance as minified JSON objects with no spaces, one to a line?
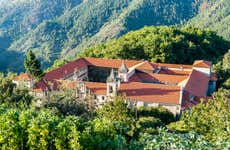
{"x":191,"y":97}
{"x":110,"y":89}
{"x":103,"y":98}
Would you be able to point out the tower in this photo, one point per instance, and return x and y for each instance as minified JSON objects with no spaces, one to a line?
{"x":112,"y":85}
{"x":123,"y":72}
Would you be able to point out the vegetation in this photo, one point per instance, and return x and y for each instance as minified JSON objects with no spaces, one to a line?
{"x":32,"y":66}
{"x":61,"y":121}
{"x":210,"y":119}
{"x":214,"y":15}
{"x":62,"y":28}
{"x":164,"y":44}
{"x":222,"y":69}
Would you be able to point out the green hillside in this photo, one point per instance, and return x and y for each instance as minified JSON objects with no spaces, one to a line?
{"x":69,"y":30}
{"x":19,"y":17}
{"x":164,"y":44}
{"x":214,"y":15}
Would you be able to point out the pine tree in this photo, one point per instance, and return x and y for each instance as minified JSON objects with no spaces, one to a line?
{"x":33,"y":66}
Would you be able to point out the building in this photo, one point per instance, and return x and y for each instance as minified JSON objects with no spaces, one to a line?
{"x":174,"y":86}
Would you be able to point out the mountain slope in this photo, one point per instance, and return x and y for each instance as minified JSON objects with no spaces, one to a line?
{"x":18,"y":17}
{"x":94,"y":21}
{"x":214,"y":15}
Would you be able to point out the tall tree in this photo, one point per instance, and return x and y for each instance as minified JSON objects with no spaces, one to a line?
{"x":33,"y":66}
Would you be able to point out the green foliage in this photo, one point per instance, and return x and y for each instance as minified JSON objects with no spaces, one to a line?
{"x":68,"y":135}
{"x":222,"y":69}
{"x":10,"y":131}
{"x":11,"y":95}
{"x":159,"y":112}
{"x":62,"y":28}
{"x":214,"y":15}
{"x":104,"y":134}
{"x":168,"y":141}
{"x":110,"y":130}
{"x":163,"y":44}
{"x":6,"y":88}
{"x":33,"y":66}
{"x":211,"y":119}
{"x":65,"y":103}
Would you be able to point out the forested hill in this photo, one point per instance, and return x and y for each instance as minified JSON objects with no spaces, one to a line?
{"x":214,"y":15}
{"x":61,"y":28}
{"x":163,"y":44}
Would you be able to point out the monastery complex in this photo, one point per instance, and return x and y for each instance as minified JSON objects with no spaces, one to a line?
{"x":173,"y":86}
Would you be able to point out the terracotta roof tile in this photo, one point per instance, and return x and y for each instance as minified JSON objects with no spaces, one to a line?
{"x":175,"y":66}
{"x":197,"y":84}
{"x":161,"y":78}
{"x":66,"y":69}
{"x":111,"y":63}
{"x":23,"y":76}
{"x":97,"y":88}
{"x":202,"y":63}
{"x":151,"y":93}
{"x":174,"y":72}
{"x":147,"y":66}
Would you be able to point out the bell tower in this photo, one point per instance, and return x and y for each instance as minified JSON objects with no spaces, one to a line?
{"x":123,"y":72}
{"x":112,"y":85}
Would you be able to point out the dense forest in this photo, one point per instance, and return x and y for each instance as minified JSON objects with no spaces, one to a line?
{"x":62,"y":28}
{"x":164,"y":44}
{"x":214,"y":15}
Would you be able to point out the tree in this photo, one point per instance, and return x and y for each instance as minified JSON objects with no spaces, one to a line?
{"x":222,"y":69}
{"x":112,"y":127}
{"x":163,"y":44}
{"x":12,"y":95}
{"x":10,"y":131}
{"x":166,"y":140}
{"x":33,"y":66}
{"x":210,"y":119}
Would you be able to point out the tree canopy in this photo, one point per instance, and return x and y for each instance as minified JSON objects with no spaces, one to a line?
{"x":33,"y":66}
{"x":164,"y":44}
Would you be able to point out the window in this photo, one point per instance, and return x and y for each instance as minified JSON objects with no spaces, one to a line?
{"x":103,"y":98}
{"x":110,"y":89}
{"x":191,"y":97}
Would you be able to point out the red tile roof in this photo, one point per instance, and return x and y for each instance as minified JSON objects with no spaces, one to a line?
{"x":197,"y":84}
{"x":66,"y":69}
{"x":151,"y":93}
{"x":38,"y":90}
{"x":110,"y":63}
{"x":97,"y":87}
{"x":23,"y":76}
{"x":175,"y":66}
{"x":147,"y":66}
{"x":174,"y":72}
{"x":162,"y":78}
{"x":202,"y":63}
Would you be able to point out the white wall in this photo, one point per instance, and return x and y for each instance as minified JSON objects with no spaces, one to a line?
{"x":206,"y":71}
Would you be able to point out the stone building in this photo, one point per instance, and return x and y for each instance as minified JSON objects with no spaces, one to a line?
{"x":174,"y":86}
